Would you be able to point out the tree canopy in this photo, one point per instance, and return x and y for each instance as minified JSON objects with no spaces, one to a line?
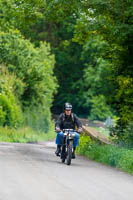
{"x":91,"y":44}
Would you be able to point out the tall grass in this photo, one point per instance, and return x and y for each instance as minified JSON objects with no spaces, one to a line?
{"x":115,"y":156}
{"x":24,"y":135}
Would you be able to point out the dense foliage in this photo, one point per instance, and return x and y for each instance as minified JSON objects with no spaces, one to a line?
{"x":33,"y":66}
{"x":112,"y":22}
{"x":93,"y":46}
{"x":27,"y":79}
{"x":92,"y":41}
{"x":10,"y":110}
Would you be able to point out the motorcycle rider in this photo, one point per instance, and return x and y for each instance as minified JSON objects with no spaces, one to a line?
{"x":67,"y":120}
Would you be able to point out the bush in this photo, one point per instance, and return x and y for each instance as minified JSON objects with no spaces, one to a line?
{"x":126,"y":161}
{"x":128,"y":135}
{"x":83,"y":145}
{"x":10,"y":110}
{"x":2,"y":116}
{"x":115,"y":156}
{"x":123,"y":135}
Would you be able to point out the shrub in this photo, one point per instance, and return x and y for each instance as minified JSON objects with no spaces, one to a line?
{"x":10,"y":110}
{"x":83,"y":145}
{"x":115,"y":156}
{"x":126,"y":161}
{"x":123,"y":135}
{"x":2,"y":116}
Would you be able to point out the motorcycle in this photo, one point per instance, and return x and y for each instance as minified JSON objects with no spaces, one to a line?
{"x":67,"y":146}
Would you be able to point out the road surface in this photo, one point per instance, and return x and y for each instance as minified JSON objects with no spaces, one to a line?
{"x":33,"y":172}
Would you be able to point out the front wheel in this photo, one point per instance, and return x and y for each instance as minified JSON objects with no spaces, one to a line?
{"x":69,"y":152}
{"x":63,"y":155}
{"x":63,"y":160}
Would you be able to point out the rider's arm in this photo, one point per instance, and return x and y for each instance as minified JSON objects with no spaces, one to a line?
{"x":59,"y":121}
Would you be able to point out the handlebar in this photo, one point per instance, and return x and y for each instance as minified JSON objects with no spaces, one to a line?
{"x":68,"y":130}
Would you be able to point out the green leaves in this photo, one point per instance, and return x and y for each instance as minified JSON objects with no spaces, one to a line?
{"x":34,"y":67}
{"x":31,"y":68}
{"x":15,"y":14}
{"x":10,"y":110}
{"x":93,"y":47}
{"x":34,"y":83}
{"x":111,"y":22}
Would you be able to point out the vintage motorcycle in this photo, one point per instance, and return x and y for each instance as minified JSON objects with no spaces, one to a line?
{"x":67,"y":145}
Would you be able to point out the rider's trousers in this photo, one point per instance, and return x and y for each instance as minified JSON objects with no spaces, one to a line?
{"x":59,"y":139}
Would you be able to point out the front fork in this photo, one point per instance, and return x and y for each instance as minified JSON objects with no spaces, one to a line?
{"x":65,"y":145}
{"x":63,"y":151}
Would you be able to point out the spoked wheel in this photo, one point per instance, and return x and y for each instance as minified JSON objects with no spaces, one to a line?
{"x":69,"y":152}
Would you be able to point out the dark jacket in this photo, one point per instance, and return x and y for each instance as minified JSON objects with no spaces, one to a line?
{"x":68,"y":122}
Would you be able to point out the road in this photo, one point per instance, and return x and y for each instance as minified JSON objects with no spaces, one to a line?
{"x":33,"y":172}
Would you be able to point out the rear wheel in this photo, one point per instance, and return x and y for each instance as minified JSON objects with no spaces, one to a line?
{"x":69,"y":152}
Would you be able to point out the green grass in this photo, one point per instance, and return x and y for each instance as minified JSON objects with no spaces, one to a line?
{"x":24,"y":135}
{"x":115,"y":156}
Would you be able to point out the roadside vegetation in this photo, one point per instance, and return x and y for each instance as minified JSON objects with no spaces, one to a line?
{"x":76,"y":51}
{"x":27,"y":80}
{"x":112,"y":155}
{"x":27,"y":85}
{"x":25,"y":135}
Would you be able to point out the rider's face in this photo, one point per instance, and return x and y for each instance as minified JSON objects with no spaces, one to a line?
{"x":68,"y":112}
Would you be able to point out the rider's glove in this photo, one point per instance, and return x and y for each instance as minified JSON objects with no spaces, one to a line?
{"x":57,"y":129}
{"x":80,"y":130}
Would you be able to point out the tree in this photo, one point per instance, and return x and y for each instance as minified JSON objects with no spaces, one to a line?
{"x":20,"y":15}
{"x":33,"y":68}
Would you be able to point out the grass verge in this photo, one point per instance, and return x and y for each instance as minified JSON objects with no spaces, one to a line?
{"x":24,"y":135}
{"x":115,"y":156}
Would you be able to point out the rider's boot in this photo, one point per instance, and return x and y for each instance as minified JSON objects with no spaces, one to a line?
{"x":58,"y":150}
{"x":73,"y":153}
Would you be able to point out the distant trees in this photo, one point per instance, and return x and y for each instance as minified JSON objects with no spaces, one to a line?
{"x":112,"y":22}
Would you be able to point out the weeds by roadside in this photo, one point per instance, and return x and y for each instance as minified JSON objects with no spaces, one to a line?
{"x":24,"y":135}
{"x":115,"y":156}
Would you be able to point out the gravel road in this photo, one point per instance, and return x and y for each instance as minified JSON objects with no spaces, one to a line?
{"x":33,"y":172}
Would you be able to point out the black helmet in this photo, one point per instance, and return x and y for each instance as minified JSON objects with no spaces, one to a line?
{"x":68,"y":106}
